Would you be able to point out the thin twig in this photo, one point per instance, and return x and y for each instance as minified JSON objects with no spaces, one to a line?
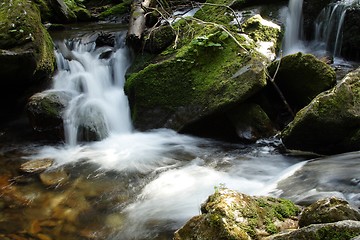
{"x":272,"y":80}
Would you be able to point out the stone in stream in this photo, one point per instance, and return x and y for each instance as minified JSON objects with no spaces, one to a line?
{"x":37,"y":166}
{"x":328,"y":210}
{"x":54,"y":178}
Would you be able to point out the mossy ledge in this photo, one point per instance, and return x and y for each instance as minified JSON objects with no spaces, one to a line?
{"x":26,"y":50}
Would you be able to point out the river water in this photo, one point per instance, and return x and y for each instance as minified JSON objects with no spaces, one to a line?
{"x":142,"y":185}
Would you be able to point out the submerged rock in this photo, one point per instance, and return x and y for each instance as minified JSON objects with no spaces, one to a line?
{"x":54,"y":178}
{"x":26,"y":53}
{"x":331,"y":122}
{"x":231,"y":215}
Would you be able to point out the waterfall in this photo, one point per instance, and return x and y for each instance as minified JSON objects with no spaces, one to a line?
{"x":98,"y":106}
{"x":293,"y":28}
{"x":329,"y":25}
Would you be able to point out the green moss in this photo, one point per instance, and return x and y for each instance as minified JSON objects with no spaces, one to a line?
{"x":195,"y":74}
{"x":21,"y":29}
{"x":117,"y":10}
{"x":329,"y":122}
{"x":331,"y":233}
{"x":219,"y":14}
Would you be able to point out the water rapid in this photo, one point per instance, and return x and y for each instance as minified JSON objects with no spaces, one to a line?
{"x":98,"y":104}
{"x":329,"y":26}
{"x":293,"y":28}
{"x":142,"y":185}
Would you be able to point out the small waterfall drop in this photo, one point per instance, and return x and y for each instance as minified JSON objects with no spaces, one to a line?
{"x":98,"y":106}
{"x":293,"y":28}
{"x":329,"y":25}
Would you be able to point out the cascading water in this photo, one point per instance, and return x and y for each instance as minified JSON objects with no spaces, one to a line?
{"x":293,"y":28}
{"x":329,"y":25}
{"x":158,"y":178}
{"x":98,"y":105}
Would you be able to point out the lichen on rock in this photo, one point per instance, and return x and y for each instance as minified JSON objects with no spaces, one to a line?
{"x":228,"y":214}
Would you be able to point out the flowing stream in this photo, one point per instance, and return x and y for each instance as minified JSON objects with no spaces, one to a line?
{"x":329,"y":25}
{"x":142,"y":185}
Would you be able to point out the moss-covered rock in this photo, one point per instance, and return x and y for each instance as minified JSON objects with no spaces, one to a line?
{"x":343,"y":230}
{"x":201,"y":78}
{"x":159,"y":39}
{"x":266,"y":34}
{"x":328,"y":210}
{"x":208,"y":73}
{"x":231,"y":215}
{"x":26,"y":52}
{"x":331,"y":122}
{"x":116,"y":10}
{"x":301,"y":77}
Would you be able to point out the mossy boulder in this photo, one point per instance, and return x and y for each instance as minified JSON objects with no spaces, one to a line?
{"x":328,"y":210}
{"x":45,"y":111}
{"x":26,"y":53}
{"x":207,"y":74}
{"x":331,"y":122}
{"x":228,"y":214}
{"x":342,"y":230}
{"x":301,"y":77}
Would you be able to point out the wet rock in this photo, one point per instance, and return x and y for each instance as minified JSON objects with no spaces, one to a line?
{"x":105,"y":39}
{"x":343,"y":230}
{"x":36,"y":166}
{"x":54,"y":178}
{"x":45,"y":110}
{"x":231,"y":215}
{"x":331,"y":122}
{"x":251,"y":122}
{"x":328,"y":210}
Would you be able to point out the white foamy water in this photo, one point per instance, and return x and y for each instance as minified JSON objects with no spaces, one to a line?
{"x":177,"y":172}
{"x":96,"y":83}
{"x":293,"y":28}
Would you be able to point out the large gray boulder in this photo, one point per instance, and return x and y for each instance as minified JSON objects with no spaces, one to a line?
{"x":331,"y":122}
